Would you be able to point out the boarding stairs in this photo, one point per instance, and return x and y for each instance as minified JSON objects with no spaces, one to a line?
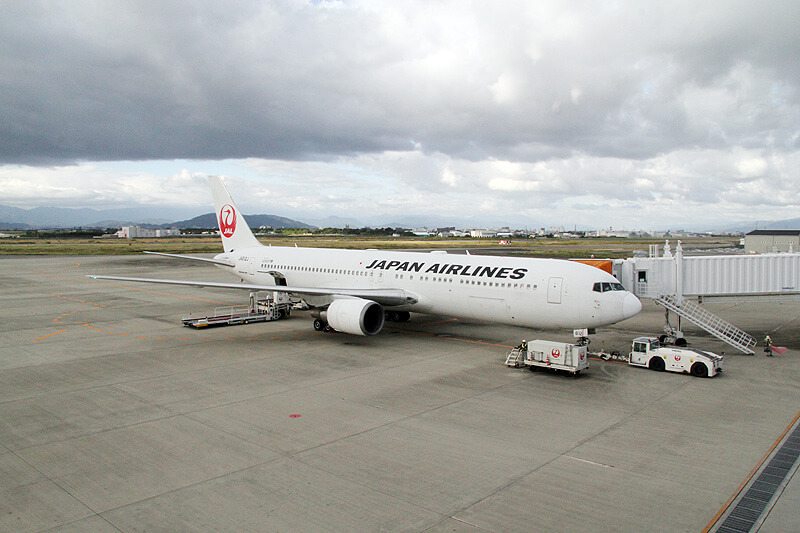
{"x":515,"y":357}
{"x":716,"y":326}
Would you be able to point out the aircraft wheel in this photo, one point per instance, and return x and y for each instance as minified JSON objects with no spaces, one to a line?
{"x":699,"y":370}
{"x":394,"y":316}
{"x":319,"y":325}
{"x":405,"y":316}
{"x":657,"y":364}
{"x":681,"y":342}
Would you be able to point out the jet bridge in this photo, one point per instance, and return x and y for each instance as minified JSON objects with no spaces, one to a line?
{"x":671,"y":278}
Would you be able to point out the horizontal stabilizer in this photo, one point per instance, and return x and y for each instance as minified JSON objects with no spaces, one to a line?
{"x":215,"y":261}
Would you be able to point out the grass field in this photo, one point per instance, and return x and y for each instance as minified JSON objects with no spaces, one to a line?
{"x":557,"y":248}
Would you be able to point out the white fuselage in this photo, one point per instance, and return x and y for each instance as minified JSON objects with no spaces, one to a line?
{"x":542,"y":293}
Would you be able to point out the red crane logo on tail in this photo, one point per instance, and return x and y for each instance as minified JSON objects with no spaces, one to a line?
{"x":227,"y":220}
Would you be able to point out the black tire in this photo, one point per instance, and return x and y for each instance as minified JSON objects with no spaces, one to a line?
{"x":319,"y":325}
{"x":405,"y":316}
{"x":681,"y":342}
{"x":699,"y":370}
{"x":657,"y":364}
{"x":662,"y":339}
{"x":394,"y":316}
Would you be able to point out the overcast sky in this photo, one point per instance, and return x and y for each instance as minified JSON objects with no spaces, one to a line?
{"x":642,"y":114}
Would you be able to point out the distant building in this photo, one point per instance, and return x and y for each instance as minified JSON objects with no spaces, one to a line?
{"x":768,"y":241}
{"x":136,"y":232}
{"x":612,"y":233}
{"x":483,"y":234}
{"x":450,"y":232}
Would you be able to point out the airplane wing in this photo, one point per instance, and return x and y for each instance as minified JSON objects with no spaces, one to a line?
{"x":382,"y":296}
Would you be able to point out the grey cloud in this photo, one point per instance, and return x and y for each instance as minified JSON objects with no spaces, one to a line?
{"x":288,"y":80}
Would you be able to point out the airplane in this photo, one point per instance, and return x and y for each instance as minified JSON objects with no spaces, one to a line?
{"x":355,"y":291}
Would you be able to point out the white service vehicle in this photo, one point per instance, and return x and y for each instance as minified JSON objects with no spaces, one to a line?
{"x":548,"y":354}
{"x":648,"y":352}
{"x":264,"y":307}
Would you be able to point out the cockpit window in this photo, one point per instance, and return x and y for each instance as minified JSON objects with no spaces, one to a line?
{"x":606,"y":287}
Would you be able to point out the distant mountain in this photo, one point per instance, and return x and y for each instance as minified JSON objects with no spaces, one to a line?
{"x":14,"y":225}
{"x":62,"y":217}
{"x":510,"y":220}
{"x":209,"y":220}
{"x":336,"y":222}
{"x":791,"y":223}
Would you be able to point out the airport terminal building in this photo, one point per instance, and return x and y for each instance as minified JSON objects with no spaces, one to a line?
{"x":770,"y":241}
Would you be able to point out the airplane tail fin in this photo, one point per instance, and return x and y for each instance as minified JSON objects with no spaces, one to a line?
{"x":233,"y":229}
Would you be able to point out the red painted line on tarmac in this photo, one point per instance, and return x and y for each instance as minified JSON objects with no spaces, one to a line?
{"x":46,"y":336}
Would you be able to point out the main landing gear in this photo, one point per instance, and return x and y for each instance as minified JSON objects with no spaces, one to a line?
{"x":321,"y":325}
{"x":398,"y":316}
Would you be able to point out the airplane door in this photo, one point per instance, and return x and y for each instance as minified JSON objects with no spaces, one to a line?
{"x":554,"y":290}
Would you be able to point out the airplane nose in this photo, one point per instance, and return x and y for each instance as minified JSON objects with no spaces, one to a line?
{"x":630,"y":306}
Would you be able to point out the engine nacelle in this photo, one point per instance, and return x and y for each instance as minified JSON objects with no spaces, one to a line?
{"x":355,"y":316}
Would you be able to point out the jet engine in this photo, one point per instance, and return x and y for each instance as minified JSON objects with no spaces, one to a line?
{"x":355,"y":316}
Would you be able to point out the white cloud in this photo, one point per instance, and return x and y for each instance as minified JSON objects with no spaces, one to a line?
{"x":643,"y":113}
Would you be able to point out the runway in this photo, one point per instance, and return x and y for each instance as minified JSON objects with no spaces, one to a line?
{"x":115,"y":417}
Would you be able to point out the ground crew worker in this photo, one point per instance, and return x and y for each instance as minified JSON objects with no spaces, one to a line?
{"x":768,"y":346}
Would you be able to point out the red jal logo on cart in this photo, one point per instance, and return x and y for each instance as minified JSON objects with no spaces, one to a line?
{"x":677,"y":357}
{"x":227,"y":220}
{"x":555,"y":352}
